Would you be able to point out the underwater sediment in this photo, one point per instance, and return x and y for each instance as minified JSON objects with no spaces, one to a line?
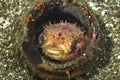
{"x":63,"y":39}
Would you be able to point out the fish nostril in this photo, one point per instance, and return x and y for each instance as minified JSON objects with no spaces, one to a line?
{"x":60,"y":34}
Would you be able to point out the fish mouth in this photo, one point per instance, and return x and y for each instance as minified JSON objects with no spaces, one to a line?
{"x":55,"y":53}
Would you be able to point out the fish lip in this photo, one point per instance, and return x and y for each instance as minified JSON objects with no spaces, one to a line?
{"x":50,"y":50}
{"x":53,"y":52}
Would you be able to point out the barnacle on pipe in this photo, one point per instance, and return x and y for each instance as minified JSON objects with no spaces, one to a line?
{"x":62,"y":38}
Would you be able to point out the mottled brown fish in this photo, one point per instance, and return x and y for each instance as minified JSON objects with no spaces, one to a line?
{"x":59,"y":41}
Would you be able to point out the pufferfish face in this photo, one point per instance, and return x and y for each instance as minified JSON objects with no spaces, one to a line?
{"x":62,"y":41}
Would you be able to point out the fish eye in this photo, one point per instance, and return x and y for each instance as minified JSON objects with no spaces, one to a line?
{"x":41,"y":39}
